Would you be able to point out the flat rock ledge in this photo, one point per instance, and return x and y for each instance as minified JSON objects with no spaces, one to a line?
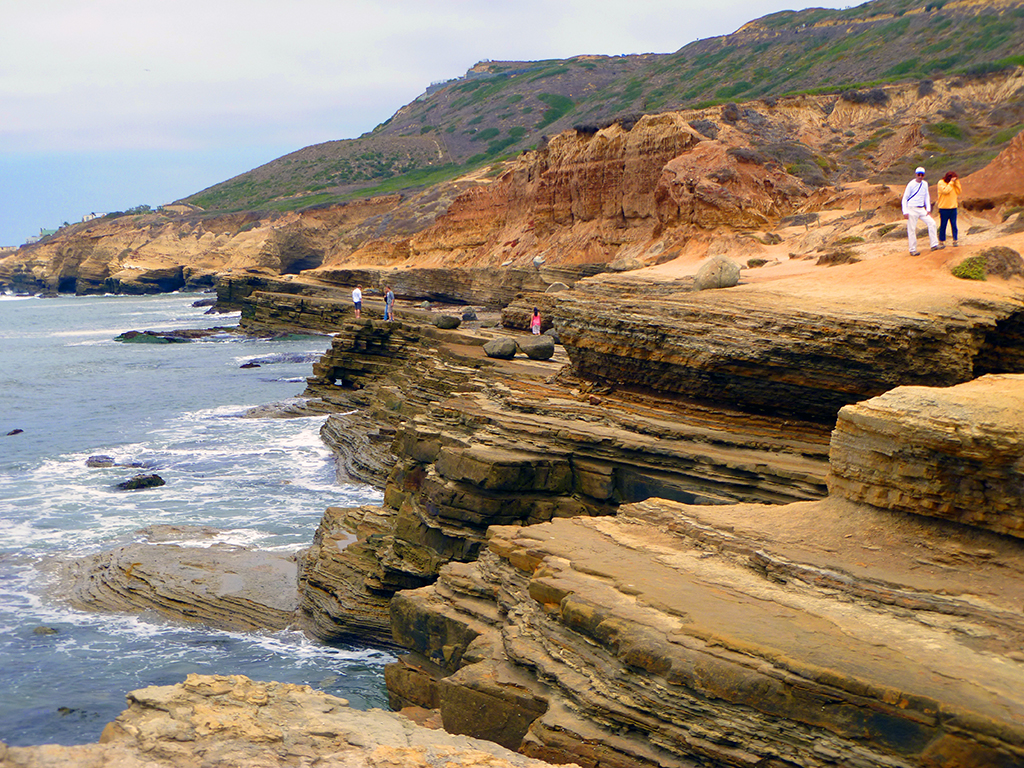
{"x":233,"y":721}
{"x":826,"y":632}
{"x":222,"y":586}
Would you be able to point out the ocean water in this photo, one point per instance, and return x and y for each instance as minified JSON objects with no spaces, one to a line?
{"x":175,"y":408}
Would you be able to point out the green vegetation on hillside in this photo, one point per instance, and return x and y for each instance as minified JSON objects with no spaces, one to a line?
{"x":503,"y":107}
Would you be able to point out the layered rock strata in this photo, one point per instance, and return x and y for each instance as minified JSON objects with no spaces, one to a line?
{"x":810,"y":634}
{"x":954,"y":453}
{"x":767,"y":348}
{"x":222,"y":586}
{"x":230,"y":720}
{"x":493,"y":287}
{"x":460,"y":442}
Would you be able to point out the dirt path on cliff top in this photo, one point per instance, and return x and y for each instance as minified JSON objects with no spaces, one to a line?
{"x":886,"y":274}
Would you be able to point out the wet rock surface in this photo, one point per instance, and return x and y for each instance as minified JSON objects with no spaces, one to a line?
{"x":219,"y":585}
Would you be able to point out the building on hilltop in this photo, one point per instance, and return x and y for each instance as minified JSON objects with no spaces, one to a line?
{"x":42,"y":233}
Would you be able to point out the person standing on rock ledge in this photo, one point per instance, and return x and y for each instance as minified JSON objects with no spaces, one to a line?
{"x":916,"y":205}
{"x":949,"y":194}
{"x":535,"y":322}
{"x":357,"y":300}
{"x":389,"y":304}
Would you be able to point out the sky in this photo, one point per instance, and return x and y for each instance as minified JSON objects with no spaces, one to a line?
{"x":110,"y":104}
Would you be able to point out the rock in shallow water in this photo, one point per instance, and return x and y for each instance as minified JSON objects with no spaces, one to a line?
{"x":223,"y":586}
{"x":140,"y":482}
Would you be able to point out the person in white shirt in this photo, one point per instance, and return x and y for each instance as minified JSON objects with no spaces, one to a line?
{"x":357,"y":299}
{"x":916,"y":205}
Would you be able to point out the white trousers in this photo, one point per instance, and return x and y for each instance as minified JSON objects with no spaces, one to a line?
{"x":913,"y":214}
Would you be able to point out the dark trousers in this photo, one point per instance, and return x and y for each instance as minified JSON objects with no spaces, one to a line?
{"x":947,"y":215}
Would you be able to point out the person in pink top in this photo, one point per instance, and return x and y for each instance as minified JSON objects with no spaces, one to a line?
{"x":535,"y":322}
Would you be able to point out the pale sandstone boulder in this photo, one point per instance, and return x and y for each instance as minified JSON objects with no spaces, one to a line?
{"x":719,"y":272}
{"x":214,"y":720}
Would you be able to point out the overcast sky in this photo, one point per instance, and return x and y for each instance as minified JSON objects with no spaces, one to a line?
{"x":110,"y":104}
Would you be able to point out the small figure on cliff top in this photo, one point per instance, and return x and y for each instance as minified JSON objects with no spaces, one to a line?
{"x":535,"y":322}
{"x":389,"y":303}
{"x":357,"y":300}
{"x":949,"y":194}
{"x":916,"y":205}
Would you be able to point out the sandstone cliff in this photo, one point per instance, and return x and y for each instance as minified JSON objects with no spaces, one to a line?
{"x":679,"y":185}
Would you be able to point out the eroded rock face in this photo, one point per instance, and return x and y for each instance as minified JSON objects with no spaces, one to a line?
{"x":231,"y":720}
{"x":461,"y":441}
{"x":804,"y":634}
{"x":768,"y":348}
{"x":954,"y":453}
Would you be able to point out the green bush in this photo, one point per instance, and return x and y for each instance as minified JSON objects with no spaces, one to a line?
{"x":947,"y":130}
{"x":487,"y":134}
{"x":972,"y":268}
{"x":558,"y":106}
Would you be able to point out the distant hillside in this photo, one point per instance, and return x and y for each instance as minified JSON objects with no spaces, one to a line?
{"x":500,"y":108}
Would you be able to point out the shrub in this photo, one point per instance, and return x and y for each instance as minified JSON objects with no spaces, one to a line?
{"x":747,"y":155}
{"x":838,"y":256}
{"x":885,"y":229}
{"x":1002,"y":261}
{"x":558,"y":106}
{"x":972,"y":268}
{"x":754,"y":263}
{"x":850,"y":240}
{"x":876,"y":97}
{"x":705,"y":127}
{"x":947,"y":130}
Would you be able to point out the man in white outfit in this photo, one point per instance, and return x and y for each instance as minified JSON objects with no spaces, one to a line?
{"x":916,"y":205}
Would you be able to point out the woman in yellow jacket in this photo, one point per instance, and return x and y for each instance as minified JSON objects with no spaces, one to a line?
{"x":949,"y":193}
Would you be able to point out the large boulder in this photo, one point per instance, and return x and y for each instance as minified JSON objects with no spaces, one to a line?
{"x":719,"y":272}
{"x":501,"y":349}
{"x":537,"y":347}
{"x":448,"y":322}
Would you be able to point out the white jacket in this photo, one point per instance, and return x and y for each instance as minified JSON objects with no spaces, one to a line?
{"x":916,"y":196}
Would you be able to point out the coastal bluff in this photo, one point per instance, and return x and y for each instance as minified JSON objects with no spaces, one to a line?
{"x":590,"y":568}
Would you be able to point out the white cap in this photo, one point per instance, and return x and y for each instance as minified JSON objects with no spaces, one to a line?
{"x":919,"y":170}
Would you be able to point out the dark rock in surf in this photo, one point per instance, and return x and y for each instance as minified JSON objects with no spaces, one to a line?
{"x":139,"y":482}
